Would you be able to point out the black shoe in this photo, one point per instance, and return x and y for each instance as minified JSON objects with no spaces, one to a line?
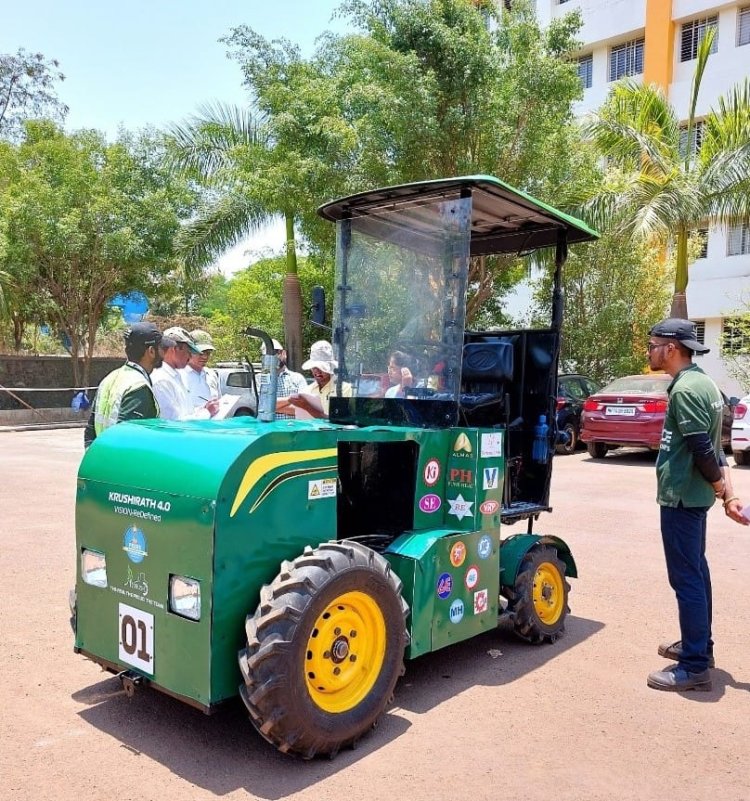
{"x":673,"y":650}
{"x":675,"y":679}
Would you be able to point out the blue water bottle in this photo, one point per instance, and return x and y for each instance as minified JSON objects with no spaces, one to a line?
{"x":540,"y":449}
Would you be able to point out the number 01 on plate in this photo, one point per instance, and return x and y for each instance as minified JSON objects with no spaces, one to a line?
{"x":136,"y":636}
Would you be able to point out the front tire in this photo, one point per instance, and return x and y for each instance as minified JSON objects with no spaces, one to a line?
{"x":597,"y":450}
{"x":324,"y":649}
{"x":539,"y":599}
{"x":741,"y":458}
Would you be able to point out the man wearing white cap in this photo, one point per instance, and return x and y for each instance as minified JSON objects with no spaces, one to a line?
{"x":169,"y":389}
{"x":315,"y":400}
{"x":289,"y":383}
{"x":201,"y":382}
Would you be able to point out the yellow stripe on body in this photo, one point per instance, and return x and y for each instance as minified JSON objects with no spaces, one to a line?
{"x":262,"y":466}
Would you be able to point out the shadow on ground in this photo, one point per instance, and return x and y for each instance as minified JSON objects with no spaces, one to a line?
{"x":223,"y":752}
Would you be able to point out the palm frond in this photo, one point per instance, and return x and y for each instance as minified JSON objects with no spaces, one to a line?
{"x":219,"y":225}
{"x":210,"y":140}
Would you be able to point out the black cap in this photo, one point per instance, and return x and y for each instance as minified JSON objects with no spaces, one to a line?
{"x":142,"y":333}
{"x":683,"y":331}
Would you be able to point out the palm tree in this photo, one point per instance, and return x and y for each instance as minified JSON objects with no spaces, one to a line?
{"x":664,"y":179}
{"x":226,"y":148}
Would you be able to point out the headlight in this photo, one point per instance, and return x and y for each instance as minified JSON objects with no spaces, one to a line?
{"x":185,"y":597}
{"x":93,"y":568}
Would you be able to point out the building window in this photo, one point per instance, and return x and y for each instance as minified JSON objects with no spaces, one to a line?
{"x":585,"y":70}
{"x":703,"y":233}
{"x":743,"y":26}
{"x":738,"y":241}
{"x":735,"y":336}
{"x":696,"y":138}
{"x":692,"y":35}
{"x":700,"y":333}
{"x":626,"y":59}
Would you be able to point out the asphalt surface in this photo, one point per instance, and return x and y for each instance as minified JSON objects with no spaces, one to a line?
{"x":489,"y":718}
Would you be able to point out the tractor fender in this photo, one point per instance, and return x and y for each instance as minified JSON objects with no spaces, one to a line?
{"x":513,"y":550}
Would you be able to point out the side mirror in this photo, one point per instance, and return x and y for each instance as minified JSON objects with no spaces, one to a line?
{"x":318,"y":316}
{"x":733,"y":401}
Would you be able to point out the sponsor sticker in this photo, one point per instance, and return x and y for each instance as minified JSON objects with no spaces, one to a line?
{"x":462,"y":444}
{"x":459,"y":507}
{"x":458,"y":554}
{"x":491,"y":445}
{"x":462,"y":477}
{"x":321,"y":488}
{"x":484,"y":546}
{"x":444,"y":585}
{"x":431,"y":472}
{"x":481,"y":602}
{"x":430,"y":503}
{"x":489,"y":507}
{"x":490,"y":477}
{"x":134,"y":544}
{"x":456,"y":611}
{"x":472,"y":577}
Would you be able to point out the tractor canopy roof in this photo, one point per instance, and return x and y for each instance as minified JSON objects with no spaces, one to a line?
{"x":503,"y":219}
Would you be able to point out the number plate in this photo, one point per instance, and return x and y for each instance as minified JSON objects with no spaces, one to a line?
{"x":625,"y":411}
{"x":136,"y":636}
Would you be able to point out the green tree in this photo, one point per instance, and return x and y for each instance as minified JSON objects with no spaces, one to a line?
{"x":425,"y":89}
{"x":27,"y":91}
{"x":85,"y":220}
{"x":614,"y":292}
{"x":661,"y":186}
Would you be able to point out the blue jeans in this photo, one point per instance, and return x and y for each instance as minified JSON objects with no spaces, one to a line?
{"x":683,"y":532}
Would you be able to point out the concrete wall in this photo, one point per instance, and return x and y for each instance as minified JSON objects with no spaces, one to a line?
{"x":24,"y":374}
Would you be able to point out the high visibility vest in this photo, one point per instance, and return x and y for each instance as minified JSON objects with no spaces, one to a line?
{"x":110,"y":394}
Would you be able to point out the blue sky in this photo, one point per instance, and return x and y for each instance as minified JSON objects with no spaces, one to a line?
{"x":152,"y":62}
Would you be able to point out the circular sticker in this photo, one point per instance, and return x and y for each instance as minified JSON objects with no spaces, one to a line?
{"x":484,"y":546}
{"x":456,"y":611}
{"x":458,"y":554}
{"x":431,"y":472}
{"x":472,"y":577}
{"x":489,"y":507}
{"x":430,"y":503}
{"x":134,"y":544}
{"x":444,"y":585}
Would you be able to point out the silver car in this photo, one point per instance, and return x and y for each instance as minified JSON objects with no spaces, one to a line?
{"x":237,"y":380}
{"x":741,"y":432}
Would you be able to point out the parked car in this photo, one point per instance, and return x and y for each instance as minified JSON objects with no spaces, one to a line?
{"x":572,"y":391}
{"x":236,"y":378}
{"x":741,"y":432}
{"x":630,"y":412}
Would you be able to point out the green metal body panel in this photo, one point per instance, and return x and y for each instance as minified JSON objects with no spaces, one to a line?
{"x":225,"y":503}
{"x":513,"y":549}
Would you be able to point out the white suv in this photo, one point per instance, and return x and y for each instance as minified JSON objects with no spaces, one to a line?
{"x":741,"y":432}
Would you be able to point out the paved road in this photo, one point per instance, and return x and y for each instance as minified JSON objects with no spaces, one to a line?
{"x":487,"y":719}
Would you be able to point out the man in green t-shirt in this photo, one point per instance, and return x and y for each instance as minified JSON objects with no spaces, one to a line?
{"x":691,"y":472}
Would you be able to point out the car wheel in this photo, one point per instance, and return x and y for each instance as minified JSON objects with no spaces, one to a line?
{"x":571,"y":444}
{"x":244,"y":413}
{"x":741,"y":458}
{"x":597,"y":450}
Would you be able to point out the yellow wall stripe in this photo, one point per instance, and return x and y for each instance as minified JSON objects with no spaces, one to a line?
{"x":263,"y":465}
{"x":658,"y":56}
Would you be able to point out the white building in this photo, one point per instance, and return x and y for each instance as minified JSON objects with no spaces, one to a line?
{"x":656,"y":40}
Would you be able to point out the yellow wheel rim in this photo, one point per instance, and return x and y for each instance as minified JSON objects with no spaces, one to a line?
{"x":345,"y":652}
{"x":548,"y":593}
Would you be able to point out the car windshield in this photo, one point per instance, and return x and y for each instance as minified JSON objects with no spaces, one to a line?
{"x":638,"y":384}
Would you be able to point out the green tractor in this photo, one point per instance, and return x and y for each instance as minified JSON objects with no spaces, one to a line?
{"x":300,"y":563}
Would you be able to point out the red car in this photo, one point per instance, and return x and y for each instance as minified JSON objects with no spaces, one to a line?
{"x":630,"y":411}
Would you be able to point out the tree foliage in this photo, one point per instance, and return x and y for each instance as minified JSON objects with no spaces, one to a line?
{"x":28,"y":91}
{"x":660,"y":188}
{"x":614,"y":293}
{"x":84,"y":220}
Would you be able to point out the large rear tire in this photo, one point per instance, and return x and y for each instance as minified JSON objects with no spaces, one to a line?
{"x":539,"y":599}
{"x":324,"y":649}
